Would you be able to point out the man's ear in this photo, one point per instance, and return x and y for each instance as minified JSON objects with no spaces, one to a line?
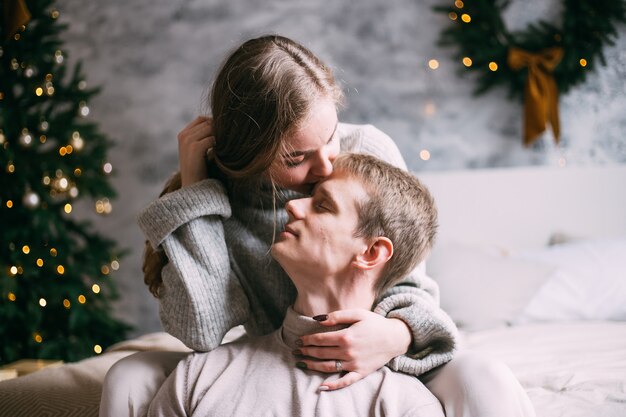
{"x":377,"y":253}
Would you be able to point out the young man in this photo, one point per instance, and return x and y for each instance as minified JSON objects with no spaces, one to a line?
{"x":362,"y":230}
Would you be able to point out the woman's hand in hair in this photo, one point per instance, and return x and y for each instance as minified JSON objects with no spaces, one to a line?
{"x":193,"y":142}
{"x":367,"y":345}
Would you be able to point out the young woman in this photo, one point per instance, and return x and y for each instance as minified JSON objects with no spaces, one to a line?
{"x":274,"y":134}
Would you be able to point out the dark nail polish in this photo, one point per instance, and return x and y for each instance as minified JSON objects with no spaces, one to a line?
{"x":301,"y":365}
{"x":299,"y":343}
{"x":297,"y":352}
{"x":321,"y":317}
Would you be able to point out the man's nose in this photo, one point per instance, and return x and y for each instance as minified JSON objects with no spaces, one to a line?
{"x":296,"y":209}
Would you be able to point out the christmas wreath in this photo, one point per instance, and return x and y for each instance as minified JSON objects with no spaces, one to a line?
{"x":542,"y":61}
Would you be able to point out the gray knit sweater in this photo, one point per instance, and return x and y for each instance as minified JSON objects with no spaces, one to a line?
{"x":220,"y":274}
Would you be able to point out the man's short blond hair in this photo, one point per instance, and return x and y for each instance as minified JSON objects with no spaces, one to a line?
{"x":399,"y":208}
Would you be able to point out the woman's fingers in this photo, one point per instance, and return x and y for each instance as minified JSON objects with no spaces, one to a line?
{"x":203,"y":127}
{"x":328,"y":367}
{"x":203,"y":144}
{"x":346,"y":380}
{"x":195,"y":133}
{"x":198,"y":120}
{"x":331,"y":367}
{"x":192,"y":159}
{"x":321,"y":353}
{"x":336,"y":338}
{"x":342,"y":317}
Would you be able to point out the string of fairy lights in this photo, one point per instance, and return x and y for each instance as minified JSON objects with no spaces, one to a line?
{"x":61,"y":186}
{"x":466,"y":60}
{"x":487,"y":32}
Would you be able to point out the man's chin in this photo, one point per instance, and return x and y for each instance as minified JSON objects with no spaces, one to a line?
{"x":278,"y":248}
{"x":278,"y":253}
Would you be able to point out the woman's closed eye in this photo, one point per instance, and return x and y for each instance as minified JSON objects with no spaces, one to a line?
{"x":294,"y":162}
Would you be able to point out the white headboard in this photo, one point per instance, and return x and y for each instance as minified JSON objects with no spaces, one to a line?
{"x":523,"y":207}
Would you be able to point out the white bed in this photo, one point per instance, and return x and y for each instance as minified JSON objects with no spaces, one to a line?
{"x":541,"y":309}
{"x":575,"y":369}
{"x":494,"y":270}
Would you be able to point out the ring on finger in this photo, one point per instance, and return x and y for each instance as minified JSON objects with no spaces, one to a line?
{"x":338,"y":366}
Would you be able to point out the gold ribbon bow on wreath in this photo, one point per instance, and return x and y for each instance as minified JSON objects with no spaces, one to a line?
{"x":541,"y":96}
{"x":16,"y":14}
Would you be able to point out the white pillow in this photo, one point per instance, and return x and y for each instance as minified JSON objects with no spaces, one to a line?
{"x":588,"y":284}
{"x":483,"y":287}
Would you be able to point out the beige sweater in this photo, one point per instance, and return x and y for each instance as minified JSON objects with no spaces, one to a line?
{"x":258,"y":377}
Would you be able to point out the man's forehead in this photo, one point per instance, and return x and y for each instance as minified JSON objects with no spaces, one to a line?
{"x":335,"y":186}
{"x":328,"y":182}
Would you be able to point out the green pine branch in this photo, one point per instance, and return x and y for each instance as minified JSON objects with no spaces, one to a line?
{"x":50,"y":260}
{"x":586,"y":28}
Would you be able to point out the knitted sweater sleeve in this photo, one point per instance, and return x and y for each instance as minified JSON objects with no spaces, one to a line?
{"x":415,"y":300}
{"x":434,"y":335}
{"x":201,"y":297}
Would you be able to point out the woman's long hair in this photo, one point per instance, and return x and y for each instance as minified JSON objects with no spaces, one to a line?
{"x":262,"y":93}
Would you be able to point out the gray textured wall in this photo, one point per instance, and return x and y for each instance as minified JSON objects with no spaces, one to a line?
{"x":156,"y":58}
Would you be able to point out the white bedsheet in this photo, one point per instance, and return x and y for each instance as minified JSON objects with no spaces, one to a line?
{"x":568,"y":369}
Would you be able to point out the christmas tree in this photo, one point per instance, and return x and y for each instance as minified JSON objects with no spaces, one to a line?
{"x":55,"y":270}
